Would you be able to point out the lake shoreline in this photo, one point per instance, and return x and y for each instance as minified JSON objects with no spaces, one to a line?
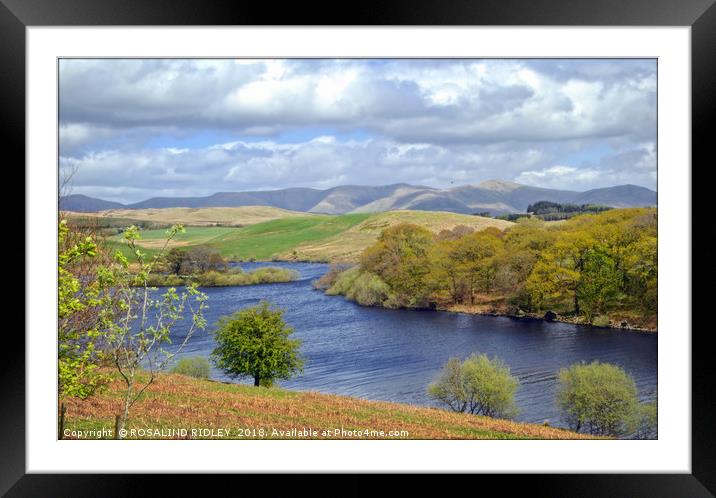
{"x":531,"y":317}
{"x":558,"y":318}
{"x":468,"y":311}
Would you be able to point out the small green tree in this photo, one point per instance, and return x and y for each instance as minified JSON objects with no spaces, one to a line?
{"x":256,"y":341}
{"x":598,"y":398}
{"x":479,"y":385}
{"x":85,"y":312}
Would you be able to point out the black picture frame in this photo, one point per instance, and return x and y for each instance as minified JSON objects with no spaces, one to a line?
{"x":700,"y":15}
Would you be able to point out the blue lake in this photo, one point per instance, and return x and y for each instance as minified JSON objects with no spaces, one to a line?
{"x":392,"y":355}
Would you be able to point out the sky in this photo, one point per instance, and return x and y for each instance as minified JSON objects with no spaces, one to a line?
{"x":131,"y":129}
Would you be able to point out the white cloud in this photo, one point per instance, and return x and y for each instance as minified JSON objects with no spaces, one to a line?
{"x":320,"y":162}
{"x":632,"y":166}
{"x":561,"y":177}
{"x":433,"y":122}
{"x":443,"y":101}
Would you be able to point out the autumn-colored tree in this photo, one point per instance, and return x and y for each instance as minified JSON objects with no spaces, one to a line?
{"x":591,"y":265}
{"x":529,"y":234}
{"x":399,"y":258}
{"x":599,"y":282}
{"x":556,"y":275}
{"x":472,"y":258}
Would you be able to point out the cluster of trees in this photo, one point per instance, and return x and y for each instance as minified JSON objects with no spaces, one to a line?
{"x":595,"y":267}
{"x":595,"y":398}
{"x":550,"y":211}
{"x":110,"y":226}
{"x":206,"y":267}
{"x":234,"y":276}
{"x":198,"y":259}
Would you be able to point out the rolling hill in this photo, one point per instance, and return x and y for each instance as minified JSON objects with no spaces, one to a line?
{"x":493,"y":196}
{"x":225,"y":216}
{"x":349,"y":244}
{"x":85,"y":204}
{"x":308,"y":238}
{"x":618,"y":196}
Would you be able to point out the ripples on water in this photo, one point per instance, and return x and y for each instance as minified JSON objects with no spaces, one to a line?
{"x":393,"y":355}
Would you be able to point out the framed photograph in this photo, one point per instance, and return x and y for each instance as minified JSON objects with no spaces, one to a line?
{"x":376,"y":245}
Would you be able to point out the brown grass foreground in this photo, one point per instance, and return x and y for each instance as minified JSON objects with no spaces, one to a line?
{"x":175,"y":403}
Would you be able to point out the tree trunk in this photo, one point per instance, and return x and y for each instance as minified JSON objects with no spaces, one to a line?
{"x":256,"y":380}
{"x":117,"y":426}
{"x":125,"y":414}
{"x":576,"y":304}
{"x":63,"y":409}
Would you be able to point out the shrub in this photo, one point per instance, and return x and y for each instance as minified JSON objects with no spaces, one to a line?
{"x":598,"y":398}
{"x":196,"y":366}
{"x":272,"y":274}
{"x":368,"y":290}
{"x":159,"y":280}
{"x":213,"y":278}
{"x":645,"y":422}
{"x":479,"y":385}
{"x":344,"y":282}
{"x":330,"y":277}
{"x":365,"y":288}
{"x":601,"y":321}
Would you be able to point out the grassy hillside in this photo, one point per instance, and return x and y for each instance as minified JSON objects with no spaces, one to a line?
{"x":348,"y":245}
{"x":311,"y":237}
{"x":265,"y":240}
{"x":228,"y":216}
{"x":154,"y":240}
{"x":176,"y":401}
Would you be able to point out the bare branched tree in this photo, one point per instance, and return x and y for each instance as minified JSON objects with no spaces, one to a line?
{"x":136,"y":340}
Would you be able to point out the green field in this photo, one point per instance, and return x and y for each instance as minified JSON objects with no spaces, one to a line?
{"x":152,"y":241}
{"x":260,"y":241}
{"x":264,"y":240}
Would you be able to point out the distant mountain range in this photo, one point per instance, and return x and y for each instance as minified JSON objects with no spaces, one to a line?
{"x":493,"y":196}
